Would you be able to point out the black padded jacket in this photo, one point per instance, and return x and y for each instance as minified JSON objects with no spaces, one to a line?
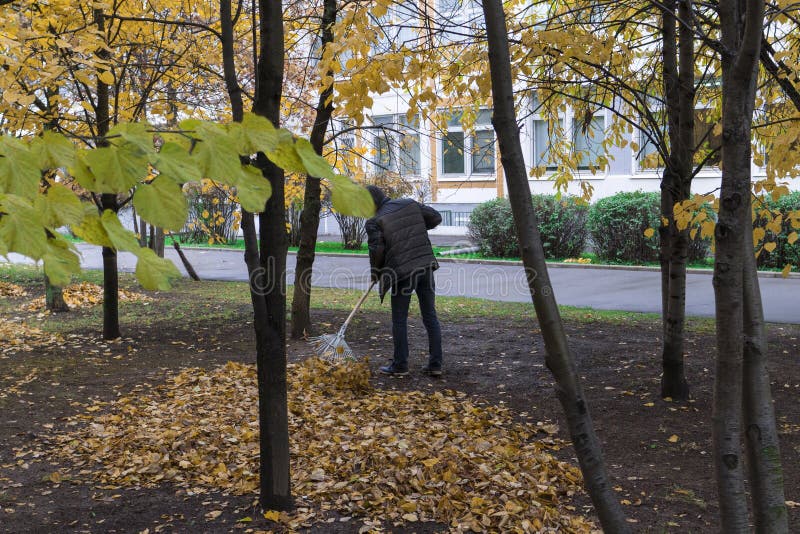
{"x":398,"y":241}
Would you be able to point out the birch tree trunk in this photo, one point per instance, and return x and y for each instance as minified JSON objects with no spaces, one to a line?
{"x":559,"y":359}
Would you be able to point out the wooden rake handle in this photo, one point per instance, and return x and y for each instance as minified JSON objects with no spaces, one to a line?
{"x":357,"y":306}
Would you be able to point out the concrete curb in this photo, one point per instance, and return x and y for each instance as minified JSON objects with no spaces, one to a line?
{"x":511,"y":263}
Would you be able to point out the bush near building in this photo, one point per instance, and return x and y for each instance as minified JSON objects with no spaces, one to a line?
{"x":562,"y":223}
{"x":615,"y":226}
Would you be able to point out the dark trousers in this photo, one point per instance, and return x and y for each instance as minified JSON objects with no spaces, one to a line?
{"x":422,"y":284}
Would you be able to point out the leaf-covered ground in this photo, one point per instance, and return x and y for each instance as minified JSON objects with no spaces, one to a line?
{"x":375,"y":454}
{"x":658,"y":453}
{"x":85,"y":295}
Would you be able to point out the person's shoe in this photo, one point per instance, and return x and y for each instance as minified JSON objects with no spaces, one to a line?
{"x":432,"y":371}
{"x":391,"y":370}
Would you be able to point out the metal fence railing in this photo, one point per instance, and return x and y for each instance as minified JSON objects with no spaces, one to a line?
{"x":455,"y":218}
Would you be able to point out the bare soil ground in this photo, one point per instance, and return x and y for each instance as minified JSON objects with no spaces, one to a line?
{"x":659,"y":453}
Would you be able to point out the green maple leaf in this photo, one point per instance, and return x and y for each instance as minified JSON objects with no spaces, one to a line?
{"x":314,"y":164}
{"x":253,"y":190}
{"x":121,"y":238}
{"x":117,"y":169}
{"x":91,"y":229}
{"x":349,"y":198}
{"x":60,"y":206}
{"x":60,"y":261}
{"x":161,"y":203}
{"x":21,"y":229}
{"x":53,"y":150}
{"x":19,"y":168}
{"x":215,"y":152}
{"x":154,"y":273}
{"x":175,"y":162}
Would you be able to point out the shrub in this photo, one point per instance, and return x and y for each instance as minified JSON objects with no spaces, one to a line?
{"x":562,"y":225}
{"x":491,"y":227}
{"x":784,"y":252}
{"x":617,"y":224}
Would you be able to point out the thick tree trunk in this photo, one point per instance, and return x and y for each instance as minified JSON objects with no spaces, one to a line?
{"x":678,"y":74}
{"x":268,"y":278}
{"x":765,"y":472}
{"x":54,"y":297}
{"x":740,"y":29}
{"x":559,"y":359}
{"x":309,"y":218}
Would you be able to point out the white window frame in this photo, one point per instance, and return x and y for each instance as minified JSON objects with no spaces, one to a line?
{"x":396,"y":129}
{"x":567,"y":119}
{"x":467,"y":151}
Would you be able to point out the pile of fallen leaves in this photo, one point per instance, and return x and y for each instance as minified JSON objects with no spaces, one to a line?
{"x":86,"y":295}
{"x":375,"y":454}
{"x":7,"y":289}
{"x":16,"y":336}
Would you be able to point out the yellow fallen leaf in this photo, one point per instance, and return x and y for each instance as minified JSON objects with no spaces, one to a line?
{"x":272,"y":515}
{"x":649,"y":404}
{"x":430,"y":462}
{"x":213,"y":515}
{"x":673,"y":438}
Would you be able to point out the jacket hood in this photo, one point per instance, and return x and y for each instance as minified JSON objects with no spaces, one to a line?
{"x":378,"y":196}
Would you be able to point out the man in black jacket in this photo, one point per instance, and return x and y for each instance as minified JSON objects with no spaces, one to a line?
{"x":401,"y":259}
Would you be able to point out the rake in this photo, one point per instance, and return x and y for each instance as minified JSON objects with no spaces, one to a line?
{"x":333,"y":347}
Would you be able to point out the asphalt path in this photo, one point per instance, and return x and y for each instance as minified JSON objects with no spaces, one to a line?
{"x":593,"y":287}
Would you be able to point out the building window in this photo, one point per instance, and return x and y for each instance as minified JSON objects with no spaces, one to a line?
{"x":469,"y":154}
{"x":587,"y":141}
{"x":396,"y":145}
{"x":544,"y":137}
{"x":707,"y":144}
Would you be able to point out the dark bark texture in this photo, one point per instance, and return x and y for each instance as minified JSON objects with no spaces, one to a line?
{"x":54,"y":297}
{"x":266,"y":262}
{"x":678,"y":73}
{"x":737,"y":303}
{"x":559,"y":359}
{"x":309,"y":218}
{"x":107,"y":202}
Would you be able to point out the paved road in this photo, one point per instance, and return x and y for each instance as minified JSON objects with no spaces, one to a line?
{"x":598,"y":288}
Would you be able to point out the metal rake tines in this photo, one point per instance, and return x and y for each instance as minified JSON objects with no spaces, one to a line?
{"x":332,"y":348}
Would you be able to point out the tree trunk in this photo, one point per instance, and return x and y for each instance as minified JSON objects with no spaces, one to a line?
{"x":158,"y":241}
{"x":107,"y":202}
{"x":765,"y":472}
{"x":142,"y":232}
{"x":266,"y":263}
{"x":678,"y":74}
{"x":54,"y":297}
{"x":309,"y":218}
{"x":740,"y":30}
{"x":559,"y":359}
{"x":184,"y":260}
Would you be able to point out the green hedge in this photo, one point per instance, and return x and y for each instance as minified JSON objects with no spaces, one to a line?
{"x":617,"y":224}
{"x":562,"y":224}
{"x":784,"y":252}
{"x":491,"y":228}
